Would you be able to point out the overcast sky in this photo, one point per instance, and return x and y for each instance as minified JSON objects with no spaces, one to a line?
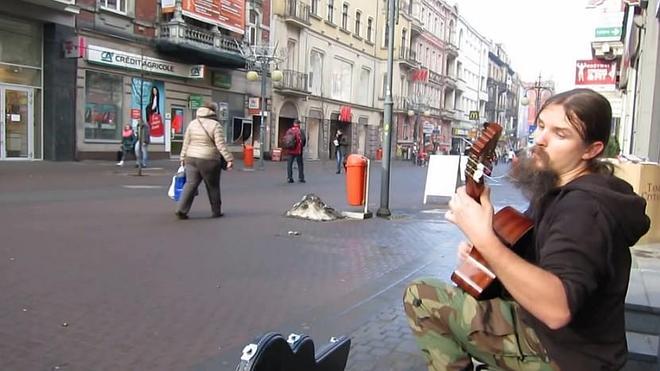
{"x":540,"y":36}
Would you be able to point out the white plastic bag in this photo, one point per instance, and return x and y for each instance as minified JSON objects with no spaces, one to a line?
{"x":170,"y":191}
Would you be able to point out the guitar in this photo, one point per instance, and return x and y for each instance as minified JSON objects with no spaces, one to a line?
{"x":272,"y":352}
{"x":511,"y":226}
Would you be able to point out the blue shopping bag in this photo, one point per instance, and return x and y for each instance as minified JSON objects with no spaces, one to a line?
{"x":178,"y":182}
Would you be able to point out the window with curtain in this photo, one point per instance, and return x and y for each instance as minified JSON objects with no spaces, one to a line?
{"x":365,"y":77}
{"x":341,"y":80}
{"x":316,"y":67}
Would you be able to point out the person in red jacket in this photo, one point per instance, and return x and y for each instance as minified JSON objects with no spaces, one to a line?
{"x":295,"y":153}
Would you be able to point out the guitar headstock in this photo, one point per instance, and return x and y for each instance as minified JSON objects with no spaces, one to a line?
{"x":480,"y":159}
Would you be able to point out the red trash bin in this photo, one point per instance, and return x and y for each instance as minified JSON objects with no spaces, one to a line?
{"x":379,"y":154}
{"x":356,"y":174}
{"x":248,"y":156}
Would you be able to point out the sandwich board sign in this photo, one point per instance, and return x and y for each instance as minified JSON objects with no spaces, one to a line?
{"x":443,"y":175}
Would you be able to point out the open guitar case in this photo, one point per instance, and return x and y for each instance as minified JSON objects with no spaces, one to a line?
{"x":272,"y":352}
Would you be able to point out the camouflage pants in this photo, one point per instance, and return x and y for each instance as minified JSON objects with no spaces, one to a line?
{"x":451,"y":328}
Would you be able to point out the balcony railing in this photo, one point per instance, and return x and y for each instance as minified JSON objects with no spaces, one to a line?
{"x":293,"y":81}
{"x":400,"y":103}
{"x":182,"y":33}
{"x":435,"y":78}
{"x":297,"y":11}
{"x":408,"y":55}
{"x":451,"y":48}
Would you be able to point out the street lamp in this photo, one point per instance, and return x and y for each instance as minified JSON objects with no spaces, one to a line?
{"x":417,"y":105}
{"x":259,"y":60}
{"x":539,"y":87}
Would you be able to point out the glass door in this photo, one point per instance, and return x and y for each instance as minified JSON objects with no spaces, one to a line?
{"x":15,"y":124}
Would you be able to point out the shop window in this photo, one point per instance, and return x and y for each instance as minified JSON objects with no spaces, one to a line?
{"x":103,"y":108}
{"x":114,"y":5}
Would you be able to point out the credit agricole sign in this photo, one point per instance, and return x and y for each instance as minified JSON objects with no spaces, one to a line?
{"x":117,"y":58}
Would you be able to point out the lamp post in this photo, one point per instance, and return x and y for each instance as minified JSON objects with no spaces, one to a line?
{"x":538,"y":88}
{"x":262,"y":65}
{"x":417,"y":106}
{"x":384,"y":209}
{"x":259,"y":59}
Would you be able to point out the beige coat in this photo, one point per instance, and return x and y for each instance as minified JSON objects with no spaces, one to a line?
{"x":196,"y":142}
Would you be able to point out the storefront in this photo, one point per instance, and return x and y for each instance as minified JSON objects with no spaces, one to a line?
{"x":21,"y":87}
{"x":120,"y":85}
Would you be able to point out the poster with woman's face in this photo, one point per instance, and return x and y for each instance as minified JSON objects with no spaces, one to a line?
{"x":149,"y":97}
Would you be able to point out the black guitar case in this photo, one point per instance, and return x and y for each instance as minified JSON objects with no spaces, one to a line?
{"x":271,"y":352}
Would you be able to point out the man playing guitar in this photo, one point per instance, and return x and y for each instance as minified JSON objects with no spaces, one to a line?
{"x":562,"y":303}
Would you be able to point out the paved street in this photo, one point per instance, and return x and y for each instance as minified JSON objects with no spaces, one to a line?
{"x":97,"y":273}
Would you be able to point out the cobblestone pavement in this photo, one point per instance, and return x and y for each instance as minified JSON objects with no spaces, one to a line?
{"x":96,"y":273}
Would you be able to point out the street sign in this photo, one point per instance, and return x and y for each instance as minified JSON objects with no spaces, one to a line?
{"x":474,"y":115}
{"x":608,"y":32}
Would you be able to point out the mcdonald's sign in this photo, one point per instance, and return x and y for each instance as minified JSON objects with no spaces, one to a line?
{"x":474,"y":115}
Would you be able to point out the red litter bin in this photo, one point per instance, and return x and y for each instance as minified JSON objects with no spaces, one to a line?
{"x":356,"y":174}
{"x":248,"y":156}
{"x":379,"y":154}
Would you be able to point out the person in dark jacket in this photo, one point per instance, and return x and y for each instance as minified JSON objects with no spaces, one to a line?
{"x":341,"y":145}
{"x":562,"y":302}
{"x":296,"y":153}
{"x":142,"y":144}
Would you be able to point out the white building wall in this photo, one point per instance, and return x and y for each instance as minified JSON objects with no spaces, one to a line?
{"x":469,"y":58}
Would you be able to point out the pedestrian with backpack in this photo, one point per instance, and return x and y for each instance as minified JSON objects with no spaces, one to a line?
{"x":293,"y":142}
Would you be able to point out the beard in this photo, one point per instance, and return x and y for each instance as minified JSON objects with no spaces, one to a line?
{"x":534,"y":179}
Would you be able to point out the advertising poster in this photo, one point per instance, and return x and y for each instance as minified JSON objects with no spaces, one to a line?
{"x":148,"y":97}
{"x":228,"y":14}
{"x":598,"y":74}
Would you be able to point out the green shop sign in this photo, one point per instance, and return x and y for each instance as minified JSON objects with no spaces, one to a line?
{"x":195,"y":101}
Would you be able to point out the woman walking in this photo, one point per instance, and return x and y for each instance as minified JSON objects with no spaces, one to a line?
{"x":202,"y":154}
{"x":127,"y":143}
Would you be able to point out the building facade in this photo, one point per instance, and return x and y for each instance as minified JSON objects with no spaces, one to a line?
{"x":427,"y":78}
{"x":472,"y":67}
{"x":92,"y":67}
{"x":329,"y":74}
{"x":36,"y":83}
{"x":639,"y":80}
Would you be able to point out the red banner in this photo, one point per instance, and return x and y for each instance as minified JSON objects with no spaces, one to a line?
{"x":595,"y":72}
{"x":345,"y":114}
{"x":420,"y":74}
{"x":228,"y":14}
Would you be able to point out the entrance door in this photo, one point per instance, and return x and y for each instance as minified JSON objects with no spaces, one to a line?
{"x":15,"y":123}
{"x":312,"y":148}
{"x":178,"y":128}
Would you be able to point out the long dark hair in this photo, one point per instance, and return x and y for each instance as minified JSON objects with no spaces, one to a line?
{"x":154,"y":97}
{"x":590,"y":114}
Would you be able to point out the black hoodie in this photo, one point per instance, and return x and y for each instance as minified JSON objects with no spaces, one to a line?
{"x":582,"y":234}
